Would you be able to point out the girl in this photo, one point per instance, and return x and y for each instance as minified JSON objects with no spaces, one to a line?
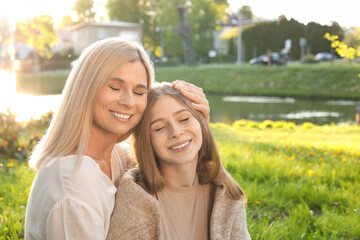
{"x":179,"y":190}
{"x":80,"y":160}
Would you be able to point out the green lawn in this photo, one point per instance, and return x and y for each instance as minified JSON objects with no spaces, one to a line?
{"x":302,"y":182}
{"x":309,"y":81}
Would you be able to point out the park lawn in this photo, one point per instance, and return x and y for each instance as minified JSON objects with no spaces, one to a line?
{"x":301,"y":182}
{"x":306,"y":81}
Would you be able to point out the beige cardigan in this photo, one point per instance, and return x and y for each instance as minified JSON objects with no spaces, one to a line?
{"x":137,"y":214}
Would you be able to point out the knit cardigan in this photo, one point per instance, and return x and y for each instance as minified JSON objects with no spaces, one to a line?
{"x":137,"y":214}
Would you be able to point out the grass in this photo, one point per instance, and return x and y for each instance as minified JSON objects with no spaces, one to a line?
{"x":302,"y":182}
{"x":307,"y":81}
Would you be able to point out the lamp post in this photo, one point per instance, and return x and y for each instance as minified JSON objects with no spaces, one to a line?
{"x":239,"y":58}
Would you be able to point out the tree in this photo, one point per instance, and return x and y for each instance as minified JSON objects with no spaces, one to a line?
{"x":84,"y":10}
{"x":342,"y":48}
{"x":246,"y":12}
{"x":39,"y":33}
{"x":191,"y":21}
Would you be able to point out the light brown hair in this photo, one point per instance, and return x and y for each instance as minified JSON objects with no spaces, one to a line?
{"x":69,"y":130}
{"x":209,"y":166}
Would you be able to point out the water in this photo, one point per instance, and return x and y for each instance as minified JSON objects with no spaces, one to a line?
{"x":230,"y":108}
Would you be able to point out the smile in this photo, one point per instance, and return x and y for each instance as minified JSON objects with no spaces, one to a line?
{"x":181,"y":146}
{"x":120,"y":115}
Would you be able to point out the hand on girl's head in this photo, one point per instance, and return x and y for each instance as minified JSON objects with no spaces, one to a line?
{"x":196,"y":95}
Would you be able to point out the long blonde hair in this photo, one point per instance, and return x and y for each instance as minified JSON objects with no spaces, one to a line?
{"x":69,"y":130}
{"x":209,"y":167}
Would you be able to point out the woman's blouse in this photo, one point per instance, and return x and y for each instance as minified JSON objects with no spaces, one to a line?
{"x":67,"y":202}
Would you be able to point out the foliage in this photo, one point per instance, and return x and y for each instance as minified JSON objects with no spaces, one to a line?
{"x":84,"y":10}
{"x":162,"y":14}
{"x":38,"y":32}
{"x":272,"y":35}
{"x":341,"y":48}
{"x":246,"y":12}
{"x":18,"y":139}
{"x":308,"y":58}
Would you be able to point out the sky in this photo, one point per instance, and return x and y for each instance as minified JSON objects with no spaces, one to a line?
{"x":345,"y":12}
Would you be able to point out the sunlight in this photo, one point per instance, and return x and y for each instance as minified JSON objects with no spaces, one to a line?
{"x":25,"y":106}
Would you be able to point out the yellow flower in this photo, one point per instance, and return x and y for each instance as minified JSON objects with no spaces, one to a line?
{"x":1,"y":198}
{"x":320,"y":159}
{"x":309,"y":164}
{"x":323,"y":164}
{"x":5,"y":218}
{"x":9,"y":165}
{"x":311,"y":173}
{"x":257,"y":202}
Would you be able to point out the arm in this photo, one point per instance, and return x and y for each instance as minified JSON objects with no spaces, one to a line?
{"x":194,"y":94}
{"x":73,"y":219}
{"x":239,"y":229}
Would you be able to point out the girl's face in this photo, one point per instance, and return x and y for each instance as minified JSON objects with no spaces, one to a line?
{"x":121,"y":103}
{"x":175,"y":133}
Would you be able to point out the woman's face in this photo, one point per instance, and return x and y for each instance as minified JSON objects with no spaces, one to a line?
{"x":175,"y":133}
{"x":120,"y":104}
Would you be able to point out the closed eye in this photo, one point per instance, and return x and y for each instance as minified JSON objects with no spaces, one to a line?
{"x":158,"y":129}
{"x":184,"y":119}
{"x":115,"y":89}
{"x":139,"y":93}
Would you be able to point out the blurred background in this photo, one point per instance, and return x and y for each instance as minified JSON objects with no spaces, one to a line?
{"x":40,"y":39}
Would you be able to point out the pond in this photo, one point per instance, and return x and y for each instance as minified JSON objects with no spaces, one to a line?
{"x":227,"y":109}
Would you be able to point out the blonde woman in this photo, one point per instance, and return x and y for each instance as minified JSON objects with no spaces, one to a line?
{"x":80,"y":160}
{"x":179,"y":190}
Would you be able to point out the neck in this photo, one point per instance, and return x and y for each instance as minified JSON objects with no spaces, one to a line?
{"x":100,"y":146}
{"x":180,"y":175}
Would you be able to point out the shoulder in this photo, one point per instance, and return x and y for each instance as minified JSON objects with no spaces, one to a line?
{"x":124,"y":149}
{"x":137,"y":213}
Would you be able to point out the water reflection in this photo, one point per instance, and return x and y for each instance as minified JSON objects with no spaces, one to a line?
{"x":230,"y":108}
{"x":25,"y":106}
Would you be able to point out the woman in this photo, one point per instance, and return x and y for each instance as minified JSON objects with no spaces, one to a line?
{"x":179,"y":190}
{"x":79,"y":160}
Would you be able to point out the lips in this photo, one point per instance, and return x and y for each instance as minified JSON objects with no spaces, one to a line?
{"x":180,"y":146}
{"x":122,"y":116}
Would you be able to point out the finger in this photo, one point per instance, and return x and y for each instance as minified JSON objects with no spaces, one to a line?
{"x":196,"y":98}
{"x":204,"y":110}
{"x":188,"y":86}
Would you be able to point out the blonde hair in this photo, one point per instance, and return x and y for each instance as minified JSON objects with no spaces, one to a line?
{"x":209,"y":167}
{"x":69,"y":130}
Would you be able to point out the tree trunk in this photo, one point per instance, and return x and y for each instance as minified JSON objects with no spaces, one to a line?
{"x":184,"y":32}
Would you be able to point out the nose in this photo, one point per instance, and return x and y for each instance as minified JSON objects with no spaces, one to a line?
{"x":175,"y":131}
{"x":127,"y":99}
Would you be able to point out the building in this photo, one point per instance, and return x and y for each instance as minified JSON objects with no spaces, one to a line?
{"x":84,"y":34}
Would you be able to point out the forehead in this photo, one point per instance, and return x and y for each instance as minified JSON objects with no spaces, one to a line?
{"x":131,"y":72}
{"x":165,"y":106}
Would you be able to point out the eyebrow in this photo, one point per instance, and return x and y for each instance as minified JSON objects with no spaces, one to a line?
{"x":123,"y":82}
{"x":176,"y":113}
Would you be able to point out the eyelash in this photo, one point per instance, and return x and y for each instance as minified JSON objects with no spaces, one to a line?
{"x":157,"y":130}
{"x":115,"y":89}
{"x":136,"y":93}
{"x":184,"y":119}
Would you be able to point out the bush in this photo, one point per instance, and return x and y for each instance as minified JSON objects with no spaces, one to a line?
{"x":308,"y":59}
{"x":18,"y":139}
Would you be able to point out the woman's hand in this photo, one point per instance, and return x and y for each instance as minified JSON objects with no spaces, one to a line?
{"x":196,"y":95}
